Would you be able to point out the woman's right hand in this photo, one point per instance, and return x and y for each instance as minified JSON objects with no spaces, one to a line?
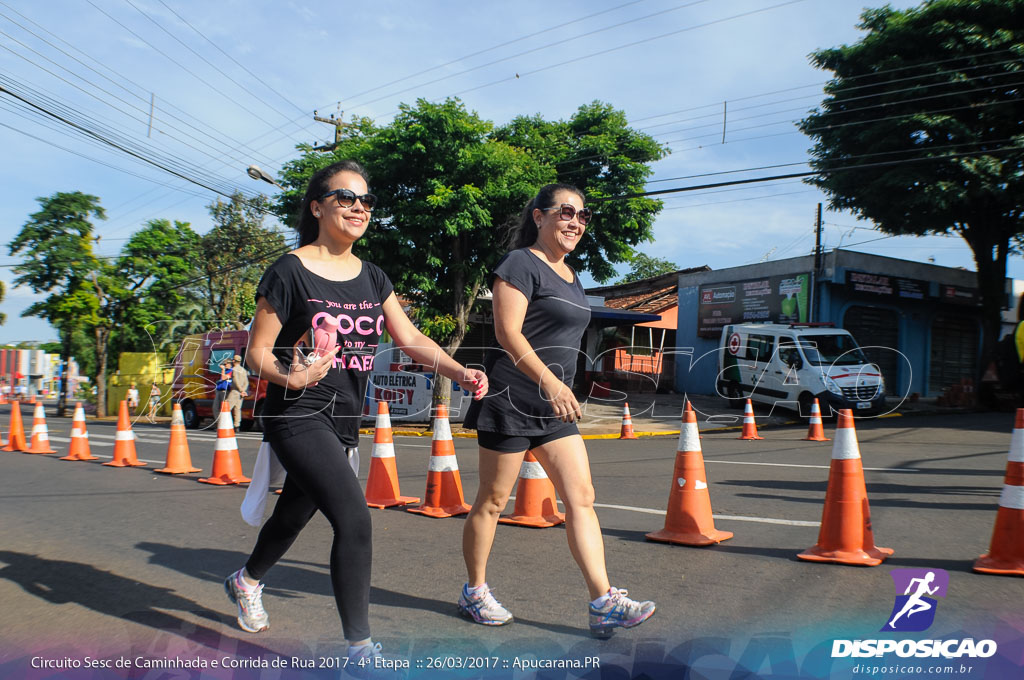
{"x":563,"y":401}
{"x":302,"y":375}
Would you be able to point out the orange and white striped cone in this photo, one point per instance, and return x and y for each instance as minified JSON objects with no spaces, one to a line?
{"x":40,"y":442}
{"x":382,"y":484}
{"x":16,"y":434}
{"x":179,"y":460}
{"x":627,"y":424}
{"x":536,"y":505}
{"x":79,"y":449}
{"x":816,"y":432}
{"x":124,"y":441}
{"x":227,"y":465}
{"x":749,"y":426}
{"x":688,"y":520}
{"x":1005,"y":554}
{"x":846,"y":536}
{"x":443,"y":497}
{"x":689,"y":407}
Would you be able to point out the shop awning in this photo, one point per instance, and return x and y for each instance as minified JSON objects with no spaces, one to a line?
{"x":609,"y":316}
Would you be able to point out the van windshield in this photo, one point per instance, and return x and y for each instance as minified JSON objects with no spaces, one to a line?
{"x":828,"y":350}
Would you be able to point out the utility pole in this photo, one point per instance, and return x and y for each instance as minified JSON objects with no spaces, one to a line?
{"x":339,"y":126}
{"x":816,"y":272}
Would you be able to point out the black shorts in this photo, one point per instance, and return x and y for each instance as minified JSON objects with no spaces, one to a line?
{"x":515,"y":443}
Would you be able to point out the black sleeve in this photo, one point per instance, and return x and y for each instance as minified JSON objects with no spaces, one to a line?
{"x":518,"y":269}
{"x":381,"y":283}
{"x":276,"y":290}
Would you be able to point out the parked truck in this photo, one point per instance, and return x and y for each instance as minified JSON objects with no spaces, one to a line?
{"x":197,"y":369}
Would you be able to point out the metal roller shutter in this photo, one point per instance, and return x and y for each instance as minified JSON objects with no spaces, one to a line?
{"x":954,"y":352}
{"x":876,"y":329}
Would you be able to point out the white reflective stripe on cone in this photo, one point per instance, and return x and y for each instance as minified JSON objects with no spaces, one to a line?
{"x":443,"y":464}
{"x":532,"y":470}
{"x":37,"y":429}
{"x":1012,"y":497}
{"x":124,"y":435}
{"x":442,"y":429}
{"x":226,"y":444}
{"x":1017,"y":446}
{"x":383,"y":450}
{"x":383,"y":420}
{"x":689,"y":438}
{"x":845,"y":446}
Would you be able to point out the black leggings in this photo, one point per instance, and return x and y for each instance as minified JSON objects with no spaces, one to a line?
{"x":320,"y":478}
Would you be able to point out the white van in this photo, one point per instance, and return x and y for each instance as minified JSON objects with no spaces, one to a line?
{"x":791,"y":364}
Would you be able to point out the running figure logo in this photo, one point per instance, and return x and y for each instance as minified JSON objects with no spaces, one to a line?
{"x":914,"y":610}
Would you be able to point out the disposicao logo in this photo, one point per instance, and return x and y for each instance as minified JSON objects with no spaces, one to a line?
{"x":914,"y":611}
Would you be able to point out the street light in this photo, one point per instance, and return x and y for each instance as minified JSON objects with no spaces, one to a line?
{"x":256,"y":172}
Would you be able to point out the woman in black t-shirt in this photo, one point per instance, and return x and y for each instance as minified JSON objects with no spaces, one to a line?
{"x":319,"y":317}
{"x":540,"y":314}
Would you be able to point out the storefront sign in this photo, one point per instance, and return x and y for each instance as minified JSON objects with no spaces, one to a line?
{"x":773,"y":299}
{"x":880,"y":285}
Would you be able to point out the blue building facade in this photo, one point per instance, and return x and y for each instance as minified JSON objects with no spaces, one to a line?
{"x":921,"y":323}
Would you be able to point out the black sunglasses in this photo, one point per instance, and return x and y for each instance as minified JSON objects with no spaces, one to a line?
{"x":347,"y":199}
{"x":568,"y":211}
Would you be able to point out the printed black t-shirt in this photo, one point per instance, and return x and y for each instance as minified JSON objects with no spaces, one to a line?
{"x":557,"y":314}
{"x":302,"y":300}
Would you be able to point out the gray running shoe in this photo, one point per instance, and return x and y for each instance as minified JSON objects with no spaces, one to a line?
{"x":618,"y":612}
{"x":483,"y":608}
{"x":369,"y":663}
{"x":252,"y":617}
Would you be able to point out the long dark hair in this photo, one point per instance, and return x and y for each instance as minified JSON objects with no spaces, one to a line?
{"x":525,"y":232}
{"x":319,"y":184}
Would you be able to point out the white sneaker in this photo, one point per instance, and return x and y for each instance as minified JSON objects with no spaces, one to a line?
{"x":252,"y":617}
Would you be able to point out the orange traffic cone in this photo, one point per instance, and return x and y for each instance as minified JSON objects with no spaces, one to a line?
{"x":627,"y":424}
{"x":79,"y":449}
{"x":179,"y":461}
{"x":227,"y":465}
{"x":382,"y":485}
{"x":688,"y":520}
{"x":689,"y":407}
{"x":816,"y":433}
{"x":443,"y":497}
{"x":845,"y":535}
{"x":1006,"y":551}
{"x":40,"y":442}
{"x":535,"y":498}
{"x":16,"y":434}
{"x":124,"y":442}
{"x":749,"y":426}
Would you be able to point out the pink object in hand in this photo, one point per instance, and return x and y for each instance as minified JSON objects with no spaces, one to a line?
{"x":325,"y":336}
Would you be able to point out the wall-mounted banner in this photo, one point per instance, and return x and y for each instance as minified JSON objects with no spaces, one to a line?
{"x":772,"y":299}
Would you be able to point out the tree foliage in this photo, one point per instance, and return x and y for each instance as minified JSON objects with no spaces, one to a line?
{"x":922,"y":85}
{"x":645,"y":266}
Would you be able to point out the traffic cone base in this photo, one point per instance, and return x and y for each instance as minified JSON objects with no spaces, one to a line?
{"x":688,"y":519}
{"x":536,"y":506}
{"x":443,"y":497}
{"x":382,"y":489}
{"x":816,"y":432}
{"x":16,"y":434}
{"x":227,"y":465}
{"x":1005,"y":556}
{"x":40,"y":441}
{"x":124,"y":441}
{"x":179,"y":460}
{"x":749,"y":425}
{"x":79,"y":449}
{"x":846,"y":535}
{"x":627,"y":424}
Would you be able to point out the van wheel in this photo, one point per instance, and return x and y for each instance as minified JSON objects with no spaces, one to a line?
{"x":735,"y":396}
{"x":190,"y":416}
{"x":806,"y":401}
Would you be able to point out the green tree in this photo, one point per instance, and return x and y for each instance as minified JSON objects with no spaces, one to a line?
{"x":596,"y":151}
{"x":921,"y":84}
{"x":56,"y":245}
{"x":451,"y":186}
{"x":645,"y":266}
{"x":231,"y":257}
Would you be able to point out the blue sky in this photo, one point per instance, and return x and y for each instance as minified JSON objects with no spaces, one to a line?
{"x":234,"y":83}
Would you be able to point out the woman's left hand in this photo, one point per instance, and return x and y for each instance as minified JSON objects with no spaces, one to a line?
{"x":475,"y":381}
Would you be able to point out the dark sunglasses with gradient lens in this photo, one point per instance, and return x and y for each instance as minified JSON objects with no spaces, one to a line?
{"x":567,"y":211}
{"x":347,"y":199}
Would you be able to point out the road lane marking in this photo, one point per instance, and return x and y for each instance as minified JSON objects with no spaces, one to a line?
{"x":797,"y":465}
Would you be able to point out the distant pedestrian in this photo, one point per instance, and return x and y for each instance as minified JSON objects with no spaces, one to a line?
{"x":540,"y":315}
{"x":223,"y":384}
{"x":154,"y":401}
{"x":132,"y":398}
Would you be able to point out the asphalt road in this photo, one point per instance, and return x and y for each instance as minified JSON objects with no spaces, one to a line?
{"x":107,"y":563}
